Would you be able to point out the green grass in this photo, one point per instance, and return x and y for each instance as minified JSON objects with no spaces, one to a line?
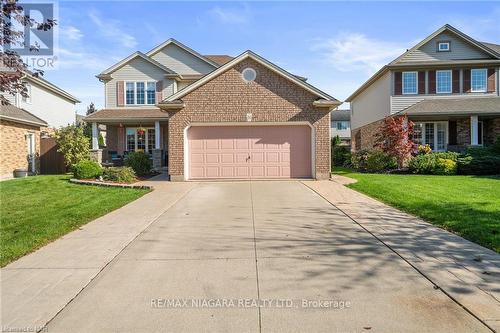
{"x":466,"y":205}
{"x":37,"y":210}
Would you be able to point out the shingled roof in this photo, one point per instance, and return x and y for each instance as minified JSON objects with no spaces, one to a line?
{"x":452,"y":106}
{"x":15,"y":114}
{"x":127,"y":114}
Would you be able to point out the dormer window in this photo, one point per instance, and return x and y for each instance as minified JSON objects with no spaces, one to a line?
{"x":140,"y":93}
{"x":443,"y":47}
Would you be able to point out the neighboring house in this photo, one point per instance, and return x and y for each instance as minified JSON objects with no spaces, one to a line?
{"x":20,"y":146}
{"x":214,"y":116}
{"x":447,"y":85}
{"x":46,"y":101}
{"x":341,"y":126}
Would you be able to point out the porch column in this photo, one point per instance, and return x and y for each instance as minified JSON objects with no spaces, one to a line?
{"x":474,"y":130}
{"x":157,"y":151}
{"x":95,"y":137}
{"x":95,"y":153}
{"x":157,"y":135}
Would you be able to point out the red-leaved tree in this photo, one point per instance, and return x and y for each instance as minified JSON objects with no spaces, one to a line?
{"x":12,"y":67}
{"x":395,"y":138}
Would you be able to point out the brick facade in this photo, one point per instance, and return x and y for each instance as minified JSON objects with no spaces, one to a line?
{"x":270,"y":98}
{"x":463,"y":131}
{"x":365,"y":136}
{"x":13,"y":147}
{"x":491,"y":130}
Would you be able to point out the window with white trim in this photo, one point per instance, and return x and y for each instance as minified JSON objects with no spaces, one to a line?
{"x":443,"y":82}
{"x":434,"y":134}
{"x":340,"y":125}
{"x":443,"y":46}
{"x":478,"y":79}
{"x":409,"y":83}
{"x":27,"y":99}
{"x":140,"y":139}
{"x":140,"y":93}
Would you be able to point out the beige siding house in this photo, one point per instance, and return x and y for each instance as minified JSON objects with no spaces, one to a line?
{"x":445,"y":67}
{"x":214,"y":116}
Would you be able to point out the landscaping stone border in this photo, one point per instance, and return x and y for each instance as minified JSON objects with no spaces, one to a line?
{"x":107,"y":184}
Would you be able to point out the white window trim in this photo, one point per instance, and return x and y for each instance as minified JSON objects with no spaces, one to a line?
{"x":451,"y":82}
{"x":29,"y":89}
{"x":403,"y":83}
{"x":485,"y":70}
{"x":446,"y":134}
{"x":135,"y":92}
{"x":135,"y":138}
{"x":446,"y":50}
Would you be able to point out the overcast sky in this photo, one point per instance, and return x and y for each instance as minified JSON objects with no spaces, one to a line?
{"x":337,"y":45}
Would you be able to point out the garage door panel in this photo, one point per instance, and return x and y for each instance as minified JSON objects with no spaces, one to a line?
{"x":249,"y":152}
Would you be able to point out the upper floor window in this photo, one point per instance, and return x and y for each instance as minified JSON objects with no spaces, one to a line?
{"x":341,"y":125}
{"x":443,"y":82}
{"x":478,"y":79}
{"x":27,"y":99}
{"x":443,"y":46}
{"x":409,"y":83}
{"x":140,"y":93}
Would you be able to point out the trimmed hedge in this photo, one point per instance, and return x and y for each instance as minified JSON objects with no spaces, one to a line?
{"x":119,"y":174}
{"x":373,"y":161}
{"x":87,"y":169}
{"x":480,"y":161}
{"x":139,"y":162}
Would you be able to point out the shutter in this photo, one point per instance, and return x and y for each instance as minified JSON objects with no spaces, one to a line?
{"x":466,"y":80}
{"x":159,"y":91}
{"x":421,"y":83}
{"x":491,"y":80}
{"x":432,"y":82}
{"x":398,"y":83}
{"x":120,"y":98}
{"x":456,"y":81}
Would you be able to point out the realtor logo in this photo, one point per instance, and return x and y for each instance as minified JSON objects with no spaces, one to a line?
{"x":37,"y":46}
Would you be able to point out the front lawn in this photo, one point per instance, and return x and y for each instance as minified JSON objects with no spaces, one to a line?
{"x":37,"y":210}
{"x":466,"y":205}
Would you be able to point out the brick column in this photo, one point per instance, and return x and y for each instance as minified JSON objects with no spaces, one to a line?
{"x":157,"y":159}
{"x":96,"y":155}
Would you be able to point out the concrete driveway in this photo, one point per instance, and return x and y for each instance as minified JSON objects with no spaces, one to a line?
{"x":232,"y":244}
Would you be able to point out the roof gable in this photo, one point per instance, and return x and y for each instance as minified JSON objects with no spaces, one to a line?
{"x":463,"y":47}
{"x":133,"y":56}
{"x":262,"y":61}
{"x":170,"y":43}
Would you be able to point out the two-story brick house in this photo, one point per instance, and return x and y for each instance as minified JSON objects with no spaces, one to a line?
{"x":447,"y":85}
{"x":215,"y":116}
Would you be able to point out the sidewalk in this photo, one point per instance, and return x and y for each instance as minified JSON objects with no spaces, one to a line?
{"x":37,"y":286}
{"x":467,"y":272}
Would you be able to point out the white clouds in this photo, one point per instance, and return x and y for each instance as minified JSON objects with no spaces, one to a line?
{"x":231,"y":15}
{"x":356,"y":52}
{"x":71,"y":59}
{"x":70,"y":32}
{"x":111,"y":29}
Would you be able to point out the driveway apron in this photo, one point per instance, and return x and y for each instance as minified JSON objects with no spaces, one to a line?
{"x":274,"y":241}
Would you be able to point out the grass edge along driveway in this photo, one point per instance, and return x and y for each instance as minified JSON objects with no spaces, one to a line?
{"x":37,"y":210}
{"x":468,"y":206}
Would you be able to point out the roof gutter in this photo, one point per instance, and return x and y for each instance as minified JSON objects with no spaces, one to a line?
{"x":22,"y":121}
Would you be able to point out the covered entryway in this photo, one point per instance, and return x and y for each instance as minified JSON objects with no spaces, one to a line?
{"x":245,"y":152}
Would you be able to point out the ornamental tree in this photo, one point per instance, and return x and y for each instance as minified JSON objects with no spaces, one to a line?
{"x":395,"y":138}
{"x":73,"y":144}
{"x":12,"y":67}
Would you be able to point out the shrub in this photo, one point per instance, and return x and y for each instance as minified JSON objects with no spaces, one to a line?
{"x":139,"y":162}
{"x":73,"y":144}
{"x":373,"y":161}
{"x":87,"y":169}
{"x":424,"y":149}
{"x":496,"y":146}
{"x":479,"y":161}
{"x":445,"y":166}
{"x":378,"y":161}
{"x":119,"y":174}
{"x":341,"y":156}
{"x":434,"y":163}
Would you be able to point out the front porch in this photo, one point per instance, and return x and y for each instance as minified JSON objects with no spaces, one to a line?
{"x":455,"y":133}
